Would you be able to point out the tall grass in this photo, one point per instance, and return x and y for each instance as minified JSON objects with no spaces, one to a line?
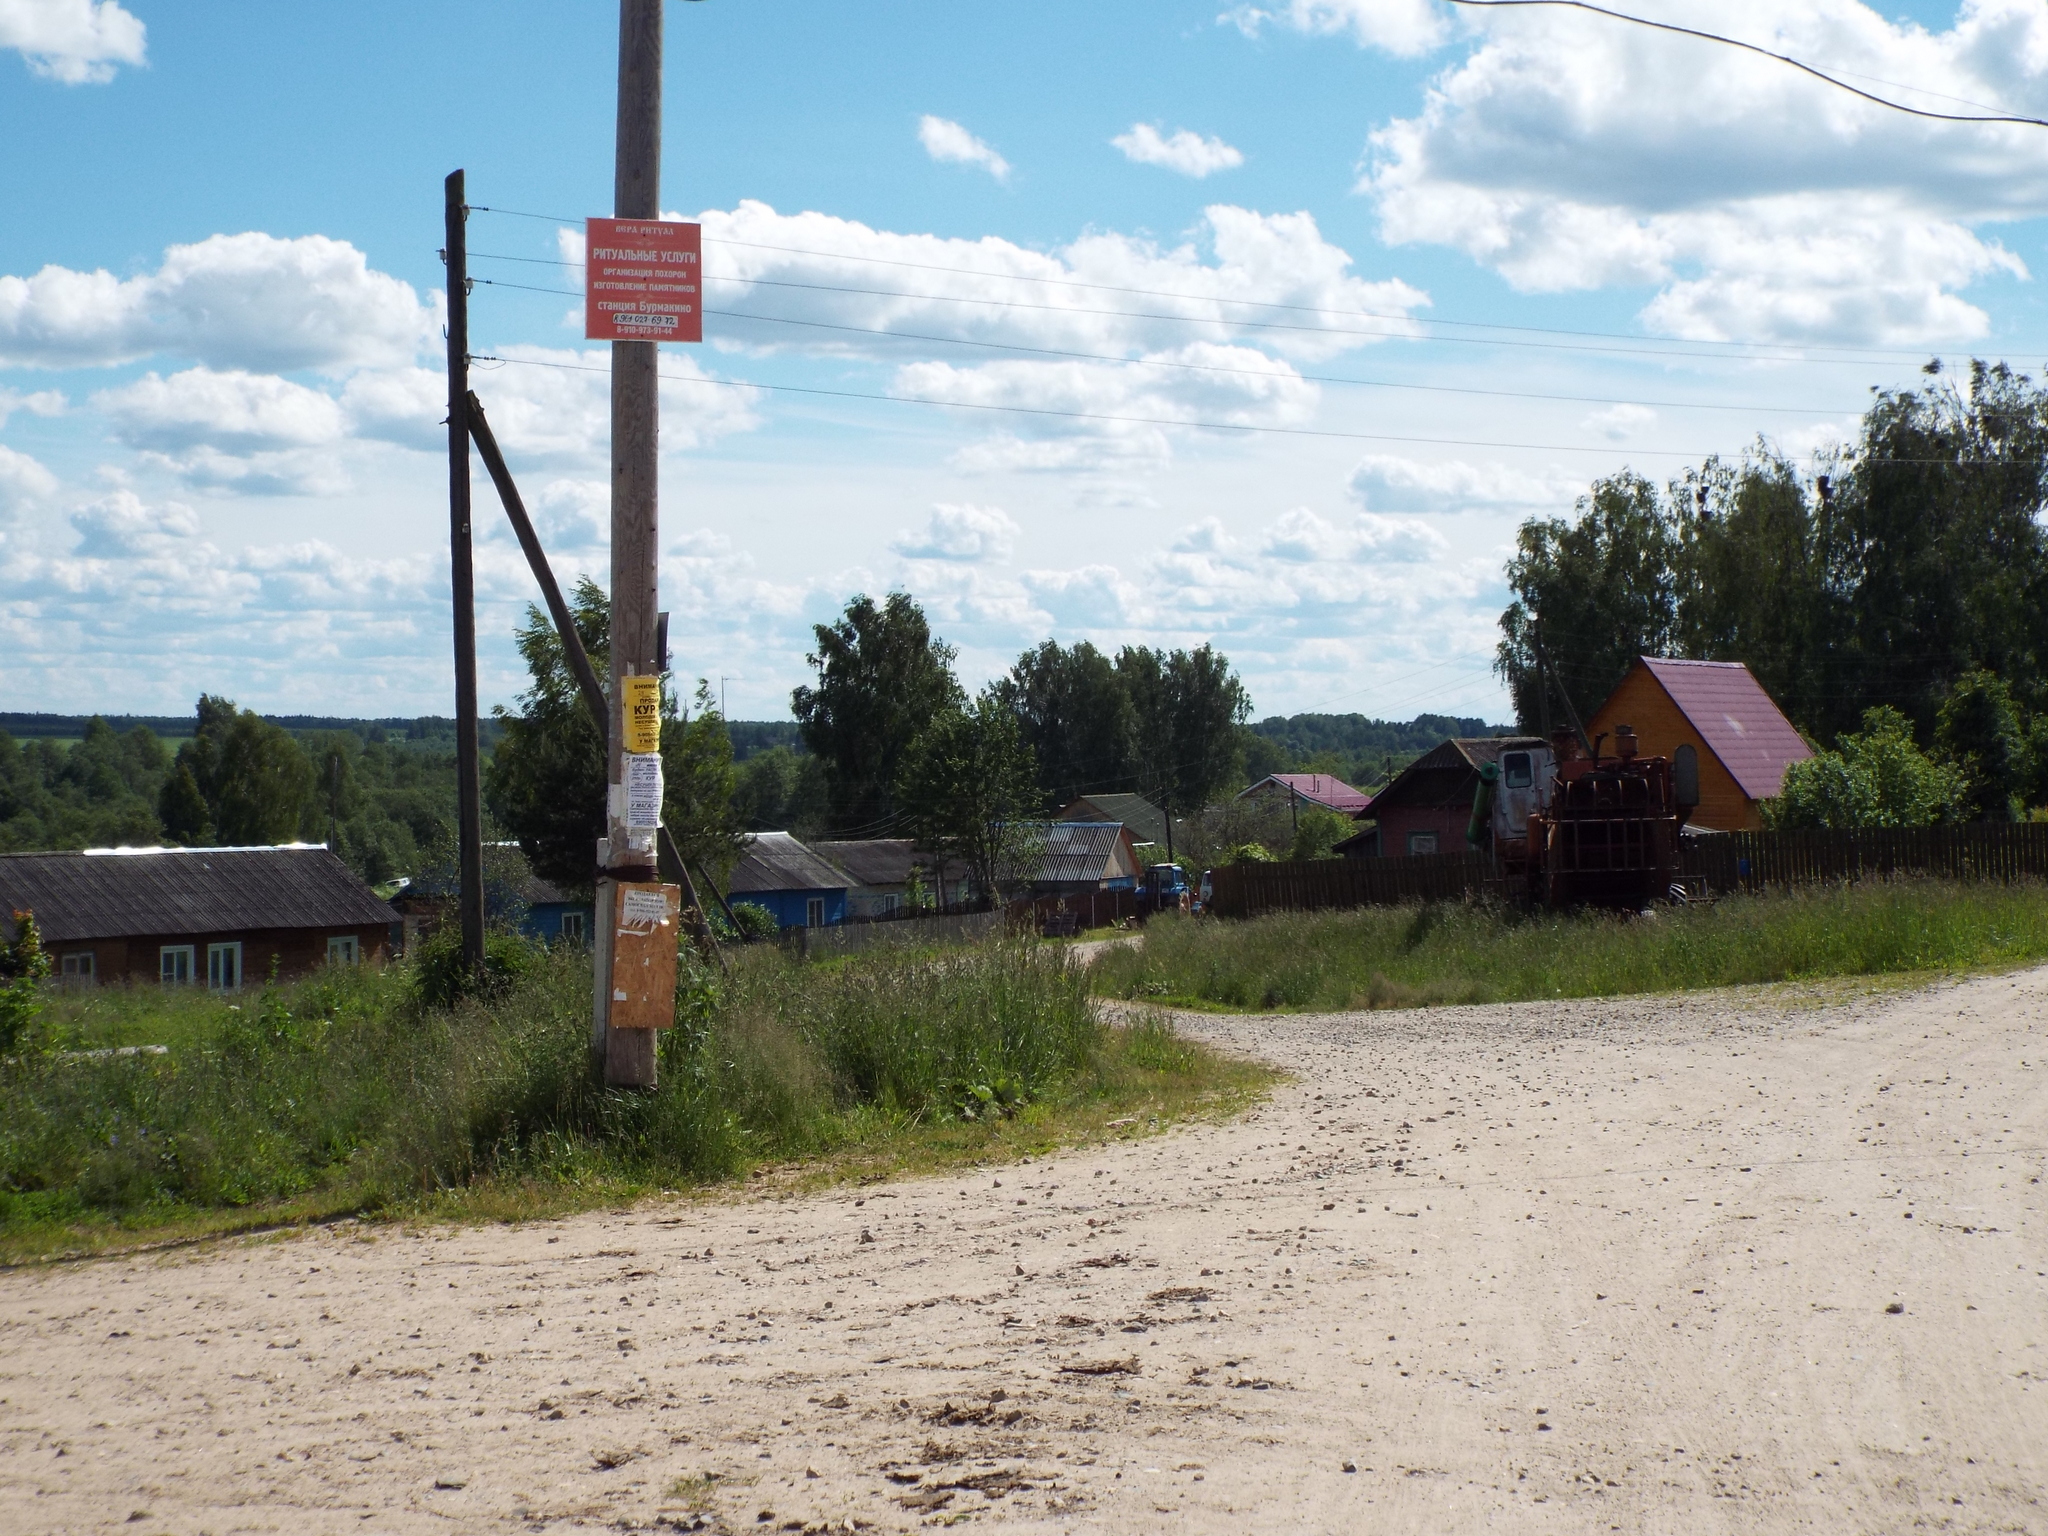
{"x":348,"y":1092}
{"x":1416,"y":955}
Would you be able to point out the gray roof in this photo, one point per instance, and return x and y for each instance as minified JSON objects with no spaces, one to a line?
{"x":1146,"y":821}
{"x":775,"y":861}
{"x":1445,"y":774}
{"x":164,"y":892}
{"x":883,"y":860}
{"x":1077,"y":851}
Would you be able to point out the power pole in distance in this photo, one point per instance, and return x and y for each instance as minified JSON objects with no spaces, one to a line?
{"x":628,"y":1054}
{"x":462,"y":583}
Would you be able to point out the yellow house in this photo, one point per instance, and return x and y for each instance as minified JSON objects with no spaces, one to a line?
{"x":1744,"y":741}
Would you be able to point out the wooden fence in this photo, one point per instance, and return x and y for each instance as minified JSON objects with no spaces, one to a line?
{"x":1716,"y":864}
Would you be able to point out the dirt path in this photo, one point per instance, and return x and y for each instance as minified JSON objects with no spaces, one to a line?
{"x":1616,"y":1266}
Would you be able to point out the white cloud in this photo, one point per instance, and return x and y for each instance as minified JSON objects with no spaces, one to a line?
{"x":1567,"y":152}
{"x":234,"y":411}
{"x":124,"y":524}
{"x":1300,"y":536}
{"x":1390,"y":482}
{"x":44,"y":402}
{"x":1619,"y":423}
{"x":249,"y":301}
{"x":946,"y":141}
{"x":1404,"y":28}
{"x":1186,"y":151}
{"x":23,"y":483}
{"x":75,"y":41}
{"x":960,"y":532}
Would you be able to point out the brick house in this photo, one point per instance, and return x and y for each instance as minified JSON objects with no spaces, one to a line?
{"x":212,"y":917}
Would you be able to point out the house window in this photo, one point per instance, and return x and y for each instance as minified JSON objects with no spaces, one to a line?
{"x":1421,"y":842}
{"x":814,"y":912}
{"x":77,"y":969}
{"x":174,"y":965}
{"x":891,"y":904}
{"x":341,"y":950}
{"x":224,"y":967}
{"x":573,"y":930}
{"x":1515,"y":771}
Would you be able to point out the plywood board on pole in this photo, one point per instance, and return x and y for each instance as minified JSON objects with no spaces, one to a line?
{"x":644,"y":936}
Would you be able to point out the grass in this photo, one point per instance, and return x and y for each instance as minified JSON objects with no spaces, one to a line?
{"x":349,"y":1095}
{"x":1423,"y":955}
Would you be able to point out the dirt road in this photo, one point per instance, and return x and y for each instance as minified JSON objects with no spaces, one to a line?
{"x":1737,"y":1262}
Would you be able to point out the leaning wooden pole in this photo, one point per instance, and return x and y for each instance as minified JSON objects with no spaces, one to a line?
{"x":628,"y":1054}
{"x":462,"y":587}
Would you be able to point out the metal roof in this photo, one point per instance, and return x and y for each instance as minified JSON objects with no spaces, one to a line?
{"x":1444,"y":774}
{"x":1079,"y":851}
{"x":1146,"y":821}
{"x":775,"y":861}
{"x":163,"y":892}
{"x":1735,"y":718}
{"x":883,"y":860}
{"x":1324,"y":789}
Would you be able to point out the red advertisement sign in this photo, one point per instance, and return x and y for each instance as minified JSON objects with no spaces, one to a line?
{"x":641,"y":279}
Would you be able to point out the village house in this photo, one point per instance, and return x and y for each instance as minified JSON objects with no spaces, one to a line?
{"x":881,"y":869}
{"x":1299,"y":791}
{"x":1718,"y":708}
{"x":790,"y":882}
{"x":1079,"y":857}
{"x":213,"y":917}
{"x":1146,"y":822}
{"x":1428,"y":806}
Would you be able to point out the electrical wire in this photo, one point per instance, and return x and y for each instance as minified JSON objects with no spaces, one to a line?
{"x":1784,"y":354}
{"x":1733,"y":42}
{"x":1254,"y":373}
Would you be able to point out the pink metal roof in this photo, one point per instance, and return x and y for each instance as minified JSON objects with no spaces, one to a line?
{"x":1324,"y":789}
{"x":1735,"y":718}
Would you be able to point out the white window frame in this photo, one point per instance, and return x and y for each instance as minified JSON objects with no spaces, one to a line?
{"x":814,"y":911}
{"x":891,"y":904}
{"x":81,"y":966}
{"x":1417,"y":839}
{"x":175,"y":965}
{"x":575,"y":929}
{"x":344,"y":949}
{"x":216,"y":980}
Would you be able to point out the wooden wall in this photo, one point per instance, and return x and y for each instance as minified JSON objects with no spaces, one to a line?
{"x":297,"y":951}
{"x":1662,"y":728}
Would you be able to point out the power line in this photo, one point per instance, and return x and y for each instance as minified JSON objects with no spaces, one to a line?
{"x":1255,"y":373}
{"x":1782,"y":58}
{"x":1217,"y":426}
{"x":1638,"y":346}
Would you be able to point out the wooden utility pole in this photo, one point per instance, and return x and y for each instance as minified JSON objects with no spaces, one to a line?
{"x":462,"y":584}
{"x":628,"y":1054}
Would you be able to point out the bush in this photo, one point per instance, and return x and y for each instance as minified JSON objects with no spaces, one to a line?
{"x":1878,"y":778}
{"x":755,"y":922}
{"x":23,"y":967}
{"x":439,"y":978}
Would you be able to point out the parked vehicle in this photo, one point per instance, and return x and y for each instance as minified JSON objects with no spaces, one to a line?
{"x":1163,"y":888}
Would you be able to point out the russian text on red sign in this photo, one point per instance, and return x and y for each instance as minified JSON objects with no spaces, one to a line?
{"x":641,"y":279}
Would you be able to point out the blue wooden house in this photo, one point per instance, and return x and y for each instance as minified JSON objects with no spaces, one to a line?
{"x":794,"y":885}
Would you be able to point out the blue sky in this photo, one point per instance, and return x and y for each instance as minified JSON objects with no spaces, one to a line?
{"x":219,"y":316}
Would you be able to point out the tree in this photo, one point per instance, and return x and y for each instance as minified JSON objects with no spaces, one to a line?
{"x":781,"y":791}
{"x":1876,"y":778}
{"x":1978,"y":730}
{"x":182,"y":808}
{"x":882,"y":676}
{"x":1077,"y":717}
{"x":547,"y":782}
{"x":969,"y":788}
{"x":1604,"y":589}
{"x":252,"y":775}
{"x":1188,"y":705}
{"x":1318,"y":832}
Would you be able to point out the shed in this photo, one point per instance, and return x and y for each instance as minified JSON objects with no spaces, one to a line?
{"x":1076,"y":857}
{"x":192,"y":916}
{"x":1429,"y":803}
{"x":1744,"y":741}
{"x":790,"y":882}
{"x":881,"y":867}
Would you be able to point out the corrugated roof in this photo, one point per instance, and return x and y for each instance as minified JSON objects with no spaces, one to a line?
{"x":883,"y":860}
{"x":169,"y":891}
{"x":1324,"y":789}
{"x":775,"y":861}
{"x":1079,"y":851}
{"x":1735,"y":718}
{"x":1146,"y":821}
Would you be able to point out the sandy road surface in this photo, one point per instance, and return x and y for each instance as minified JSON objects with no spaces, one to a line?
{"x":1612,"y":1266}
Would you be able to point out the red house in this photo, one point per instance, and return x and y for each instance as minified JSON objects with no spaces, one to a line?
{"x":1429,"y":804}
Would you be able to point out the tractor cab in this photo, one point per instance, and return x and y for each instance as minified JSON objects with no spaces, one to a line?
{"x":1163,"y":888}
